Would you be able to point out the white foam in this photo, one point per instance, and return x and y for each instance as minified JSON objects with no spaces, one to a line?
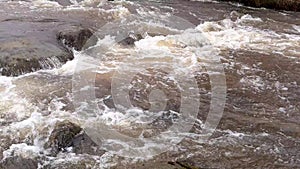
{"x":45,"y":4}
{"x":282,"y":109}
{"x":23,"y":150}
{"x":182,"y":48}
{"x":5,"y":86}
{"x":206,"y":1}
{"x":228,"y":34}
{"x":248,"y":17}
{"x":297,"y":28}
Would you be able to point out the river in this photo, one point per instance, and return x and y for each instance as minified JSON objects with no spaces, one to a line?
{"x":160,"y":84}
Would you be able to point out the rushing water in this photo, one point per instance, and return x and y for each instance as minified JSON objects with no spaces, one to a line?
{"x":257,"y":52}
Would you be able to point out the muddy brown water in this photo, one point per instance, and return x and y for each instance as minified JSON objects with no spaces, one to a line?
{"x":260,"y":126}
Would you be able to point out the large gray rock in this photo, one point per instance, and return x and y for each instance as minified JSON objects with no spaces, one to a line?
{"x":40,"y":49}
{"x":24,"y":55}
{"x":32,"y":40}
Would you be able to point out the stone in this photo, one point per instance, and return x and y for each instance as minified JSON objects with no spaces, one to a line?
{"x":83,"y":144}
{"x":75,"y":37}
{"x":17,"y":162}
{"x":129,"y":41}
{"x":31,"y":41}
{"x":23,"y":55}
{"x":86,"y":162}
{"x":62,"y":136}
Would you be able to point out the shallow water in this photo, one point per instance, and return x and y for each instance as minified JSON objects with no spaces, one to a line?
{"x":208,"y":48}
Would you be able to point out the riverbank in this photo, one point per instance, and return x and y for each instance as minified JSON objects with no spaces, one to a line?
{"x":289,"y":5}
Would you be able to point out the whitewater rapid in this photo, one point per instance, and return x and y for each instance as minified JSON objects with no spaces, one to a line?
{"x":31,"y":104}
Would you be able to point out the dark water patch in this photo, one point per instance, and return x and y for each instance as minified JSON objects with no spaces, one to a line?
{"x":291,"y":5}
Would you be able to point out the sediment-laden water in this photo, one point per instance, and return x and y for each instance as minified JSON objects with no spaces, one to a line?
{"x":160,"y":84}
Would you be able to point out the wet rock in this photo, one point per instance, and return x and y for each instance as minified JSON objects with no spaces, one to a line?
{"x":17,"y":162}
{"x":82,"y":162}
{"x":292,"y":5}
{"x":129,"y":41}
{"x":132,"y":38}
{"x":83,"y":144}
{"x":66,"y":2}
{"x":77,"y":165}
{"x":62,"y":136}
{"x":68,"y":136}
{"x":39,"y":50}
{"x":24,"y":55}
{"x":5,"y":142}
{"x":30,"y":50}
{"x":32,"y":41}
{"x":150,"y":165}
{"x":75,"y":37}
{"x":63,"y":2}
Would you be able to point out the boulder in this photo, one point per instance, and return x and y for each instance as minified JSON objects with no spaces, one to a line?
{"x":23,"y":55}
{"x":75,"y":38}
{"x":33,"y":41}
{"x":69,"y":135}
{"x":62,"y":136}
